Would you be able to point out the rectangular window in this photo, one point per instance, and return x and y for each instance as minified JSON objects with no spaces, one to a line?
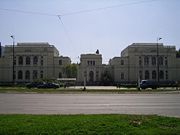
{"x":140,"y":61}
{"x":167,"y":75}
{"x":42,"y":62}
{"x":166,"y":61}
{"x":14,"y":60}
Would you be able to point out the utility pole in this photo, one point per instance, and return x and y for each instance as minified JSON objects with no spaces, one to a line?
{"x":13,"y":74}
{"x":158,"y":59}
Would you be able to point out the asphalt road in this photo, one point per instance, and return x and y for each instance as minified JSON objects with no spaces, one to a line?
{"x":161,"y":104}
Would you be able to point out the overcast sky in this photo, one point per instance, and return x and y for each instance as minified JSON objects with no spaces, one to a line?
{"x":107,"y":25}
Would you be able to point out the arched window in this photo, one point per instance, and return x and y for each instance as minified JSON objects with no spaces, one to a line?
{"x":153,"y":60}
{"x":122,"y":62}
{"x":35,"y":60}
{"x":160,"y":60}
{"x":161,"y":74}
{"x":20,"y":75}
{"x":153,"y":74}
{"x":146,"y":60}
{"x":122,"y":76}
{"x":28,"y":60}
{"x":20,"y":60}
{"x":27,"y":75}
{"x":60,"y":75}
{"x":146,"y":74}
{"x":60,"y":62}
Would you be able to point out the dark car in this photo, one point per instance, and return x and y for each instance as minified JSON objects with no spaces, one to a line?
{"x":49,"y":85}
{"x":34,"y":84}
{"x":148,"y":84}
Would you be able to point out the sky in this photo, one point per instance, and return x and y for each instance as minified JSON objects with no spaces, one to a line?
{"x":87,"y":25}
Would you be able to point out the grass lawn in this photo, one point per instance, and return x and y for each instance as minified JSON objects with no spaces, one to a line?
{"x":88,"y":124}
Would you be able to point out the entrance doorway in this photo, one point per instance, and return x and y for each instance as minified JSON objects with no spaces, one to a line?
{"x":91,"y":76}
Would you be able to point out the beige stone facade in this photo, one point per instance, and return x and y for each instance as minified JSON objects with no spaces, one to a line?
{"x":139,"y":61}
{"x":33,"y":61}
{"x":90,"y":68}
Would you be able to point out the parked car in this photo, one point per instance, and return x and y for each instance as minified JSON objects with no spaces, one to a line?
{"x":49,"y":85}
{"x":34,"y":84}
{"x":148,"y":84}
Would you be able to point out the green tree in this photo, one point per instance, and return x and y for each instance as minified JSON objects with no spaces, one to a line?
{"x":178,"y":54}
{"x":71,"y":70}
{"x":106,"y":78}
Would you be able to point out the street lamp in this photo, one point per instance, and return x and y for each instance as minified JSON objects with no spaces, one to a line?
{"x":13,"y":74}
{"x":158,"y":59}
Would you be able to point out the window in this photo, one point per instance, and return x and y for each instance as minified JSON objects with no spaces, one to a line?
{"x":35,"y":74}
{"x":167,"y":75}
{"x":41,"y":74}
{"x":14,"y":60}
{"x":60,"y":62}
{"x":166,"y":61}
{"x":90,"y":63}
{"x":140,"y":61}
{"x":122,"y":76}
{"x":42,"y":62}
{"x":27,"y":75}
{"x":140,"y":75}
{"x":161,"y":74}
{"x":20,"y":60}
{"x":122,"y":62}
{"x":28,"y":60}
{"x":35,"y":60}
{"x":154,"y":74}
{"x":146,"y":60}
{"x":60,"y":75}
{"x":153,"y":61}
{"x":146,"y":74}
{"x":20,"y":75}
{"x":160,"y":60}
